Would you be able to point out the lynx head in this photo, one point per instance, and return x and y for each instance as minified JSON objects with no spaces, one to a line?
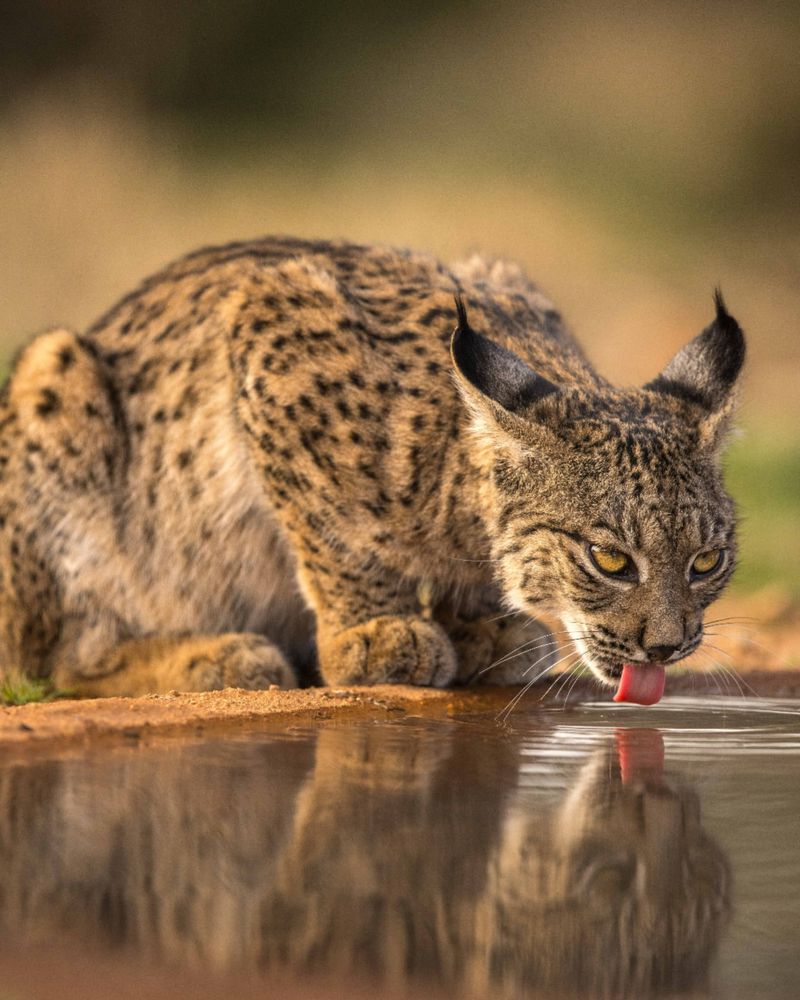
{"x":608,"y":505}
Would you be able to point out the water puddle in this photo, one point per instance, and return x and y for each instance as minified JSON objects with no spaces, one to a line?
{"x":593,"y":851}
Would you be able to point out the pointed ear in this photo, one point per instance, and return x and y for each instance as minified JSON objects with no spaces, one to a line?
{"x":705,"y":372}
{"x":493,"y":380}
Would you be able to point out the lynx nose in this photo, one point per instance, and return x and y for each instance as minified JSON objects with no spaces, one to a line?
{"x":660,"y":654}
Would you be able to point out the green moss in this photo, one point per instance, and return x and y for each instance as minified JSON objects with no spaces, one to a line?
{"x":23,"y":691}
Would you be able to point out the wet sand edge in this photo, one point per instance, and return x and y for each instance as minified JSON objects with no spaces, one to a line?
{"x":74,"y":722}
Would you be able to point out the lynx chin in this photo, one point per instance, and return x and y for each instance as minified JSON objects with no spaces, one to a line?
{"x":278,"y":461}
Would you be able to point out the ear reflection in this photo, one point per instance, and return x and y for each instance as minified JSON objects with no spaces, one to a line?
{"x":408,"y":854}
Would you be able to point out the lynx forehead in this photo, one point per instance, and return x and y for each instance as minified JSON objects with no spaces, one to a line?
{"x":275,"y":460}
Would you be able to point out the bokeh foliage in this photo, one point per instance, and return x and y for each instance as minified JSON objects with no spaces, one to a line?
{"x":764,"y":476}
{"x":631,"y":156}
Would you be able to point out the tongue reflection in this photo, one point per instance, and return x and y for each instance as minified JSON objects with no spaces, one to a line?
{"x":642,"y":683}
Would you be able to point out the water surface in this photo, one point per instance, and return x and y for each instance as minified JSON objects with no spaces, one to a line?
{"x":592,"y":851}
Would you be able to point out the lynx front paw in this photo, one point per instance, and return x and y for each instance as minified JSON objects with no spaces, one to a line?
{"x":507,"y":650}
{"x":240,"y":661}
{"x":389,"y":649}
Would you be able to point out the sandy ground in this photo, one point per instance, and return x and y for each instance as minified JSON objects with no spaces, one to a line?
{"x":132,"y":718}
{"x":25,"y":728}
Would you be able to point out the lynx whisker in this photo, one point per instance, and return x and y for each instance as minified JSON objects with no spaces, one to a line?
{"x":562,"y":676}
{"x":728,"y":671}
{"x":531,"y":646}
{"x":577,"y":675}
{"x":740,"y":637}
{"x":529,"y":684}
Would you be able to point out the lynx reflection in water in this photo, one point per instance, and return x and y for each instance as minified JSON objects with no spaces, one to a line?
{"x":413,"y":854}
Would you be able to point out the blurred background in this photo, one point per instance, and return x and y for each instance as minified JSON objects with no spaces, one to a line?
{"x":631,"y":158}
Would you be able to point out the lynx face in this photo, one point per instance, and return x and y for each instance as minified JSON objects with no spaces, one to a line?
{"x":610,"y":507}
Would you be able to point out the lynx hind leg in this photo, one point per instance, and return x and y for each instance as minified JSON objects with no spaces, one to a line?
{"x":502,"y":650}
{"x":158,"y":665}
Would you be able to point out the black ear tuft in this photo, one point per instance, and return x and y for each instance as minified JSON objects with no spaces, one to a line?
{"x":461,"y":311}
{"x":495,"y":372}
{"x":706,"y":370}
{"x":719,"y":302}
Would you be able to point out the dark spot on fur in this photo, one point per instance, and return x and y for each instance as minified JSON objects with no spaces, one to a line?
{"x":49,"y":403}
{"x":66,"y":356}
{"x":165,"y":333}
{"x":437,"y":312}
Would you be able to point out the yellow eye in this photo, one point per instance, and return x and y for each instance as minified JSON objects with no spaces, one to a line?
{"x":707,"y":562}
{"x":610,"y":561}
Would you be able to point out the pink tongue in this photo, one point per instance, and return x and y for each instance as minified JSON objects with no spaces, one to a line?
{"x":642,"y":683}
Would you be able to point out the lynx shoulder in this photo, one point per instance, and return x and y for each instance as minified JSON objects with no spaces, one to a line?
{"x":276,"y":460}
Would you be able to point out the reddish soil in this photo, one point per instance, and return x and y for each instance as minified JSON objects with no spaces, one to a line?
{"x":58,"y":973}
{"x":27,"y":727}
